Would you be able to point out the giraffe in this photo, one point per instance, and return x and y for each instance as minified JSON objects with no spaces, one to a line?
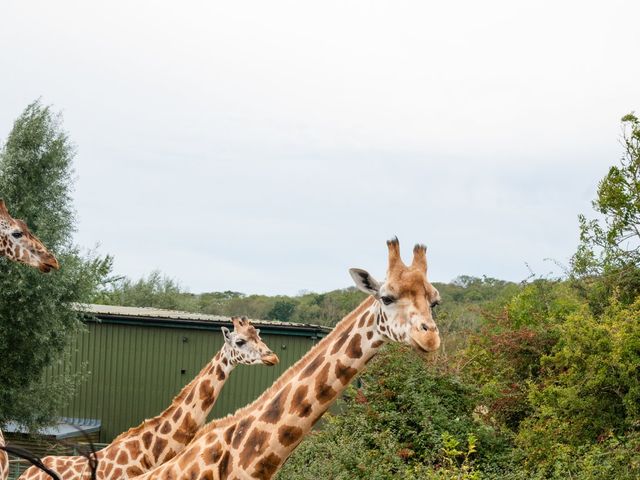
{"x":158,"y":439}
{"x":256,"y":440}
{"x":17,"y":243}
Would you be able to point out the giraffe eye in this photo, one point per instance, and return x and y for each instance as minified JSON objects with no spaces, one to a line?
{"x":387,"y":300}
{"x":240,"y":342}
{"x":17,"y":234}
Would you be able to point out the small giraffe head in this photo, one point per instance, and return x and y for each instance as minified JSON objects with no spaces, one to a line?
{"x":17,"y":243}
{"x":406,"y":297}
{"x":244,"y":344}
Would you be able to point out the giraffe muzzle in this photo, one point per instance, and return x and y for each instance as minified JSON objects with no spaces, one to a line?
{"x":50,"y":263}
{"x":270,"y":359}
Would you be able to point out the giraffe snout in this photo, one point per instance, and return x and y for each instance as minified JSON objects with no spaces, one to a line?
{"x":270,"y":358}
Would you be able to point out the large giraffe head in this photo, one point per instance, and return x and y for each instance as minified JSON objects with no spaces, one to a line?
{"x":406,"y":298}
{"x":245,"y":346}
{"x":17,"y":243}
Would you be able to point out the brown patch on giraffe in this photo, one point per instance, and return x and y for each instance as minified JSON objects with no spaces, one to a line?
{"x":170,"y":454}
{"x":187,"y":430}
{"x":228,"y":433}
{"x":192,"y":472}
{"x":208,"y":475}
{"x":189,"y":398}
{"x":166,"y":427}
{"x":371,"y":321}
{"x":254,"y":446}
{"x":354,"y":349}
{"x":369,"y":335}
{"x":220,"y":373}
{"x":107,"y":471}
{"x":377,"y":343}
{"x":223,"y":467}
{"x":146,"y":440}
{"x":206,"y":390}
{"x":212,"y":455}
{"x":158,"y":447}
{"x":123,"y":458}
{"x":299,"y":403}
{"x":313,"y":366}
{"x":241,"y":431}
{"x":177,"y":414}
{"x":363,"y":319}
{"x":134,"y":471}
{"x":266,"y":467}
{"x":111,"y":455}
{"x":133,"y":446}
{"x":340,"y":342}
{"x":344,"y":373}
{"x":288,"y":435}
{"x":324,"y":391}
{"x":275,"y":409}
{"x":117,"y":473}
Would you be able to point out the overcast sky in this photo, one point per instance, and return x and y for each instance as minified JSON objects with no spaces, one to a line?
{"x":266,"y":147}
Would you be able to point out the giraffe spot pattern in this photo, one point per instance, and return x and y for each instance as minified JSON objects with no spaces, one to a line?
{"x":354,"y":349}
{"x":158,"y":447}
{"x":187,"y":430}
{"x":344,"y":373}
{"x":338,"y":345}
{"x":223,"y":466}
{"x":313,"y":366}
{"x":254,"y":446}
{"x":299,"y":403}
{"x":324,"y":391}
{"x":276,"y":407}
{"x":266,"y":467}
{"x":228,"y":433}
{"x":289,"y":434}
{"x":241,"y":431}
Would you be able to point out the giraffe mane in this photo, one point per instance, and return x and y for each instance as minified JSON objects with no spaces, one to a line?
{"x":345,"y":324}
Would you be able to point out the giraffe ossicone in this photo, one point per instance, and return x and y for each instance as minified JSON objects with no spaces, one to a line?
{"x":18,"y":244}
{"x":159,"y":439}
{"x":256,"y":440}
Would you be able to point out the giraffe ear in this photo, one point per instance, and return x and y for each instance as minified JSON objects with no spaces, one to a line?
{"x":226,"y":334}
{"x":364,"y":281}
{"x":3,"y":208}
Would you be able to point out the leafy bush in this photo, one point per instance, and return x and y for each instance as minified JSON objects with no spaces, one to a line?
{"x":407,"y":420}
{"x":590,"y":390}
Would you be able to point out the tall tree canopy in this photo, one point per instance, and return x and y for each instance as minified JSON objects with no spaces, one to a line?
{"x":36,"y":311}
{"x":609,"y":252}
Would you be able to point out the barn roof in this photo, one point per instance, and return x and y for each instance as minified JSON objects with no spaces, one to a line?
{"x":147,"y":316}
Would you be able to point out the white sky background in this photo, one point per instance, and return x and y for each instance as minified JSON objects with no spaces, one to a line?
{"x":265,"y":147}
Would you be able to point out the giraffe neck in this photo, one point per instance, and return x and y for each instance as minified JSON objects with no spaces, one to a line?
{"x":158,"y":439}
{"x":256,"y":440}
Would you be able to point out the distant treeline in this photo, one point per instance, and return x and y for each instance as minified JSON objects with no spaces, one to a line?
{"x":462,"y":299}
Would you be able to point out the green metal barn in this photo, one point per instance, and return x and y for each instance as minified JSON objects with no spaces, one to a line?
{"x":138,"y":359}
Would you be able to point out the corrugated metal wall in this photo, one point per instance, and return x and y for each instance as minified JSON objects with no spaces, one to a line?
{"x":135,"y":371}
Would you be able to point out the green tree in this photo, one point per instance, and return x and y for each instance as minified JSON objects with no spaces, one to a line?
{"x":37,"y":315}
{"x":609,"y":251}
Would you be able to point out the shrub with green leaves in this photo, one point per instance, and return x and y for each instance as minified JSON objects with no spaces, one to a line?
{"x":588,"y":399}
{"x":407,"y":420}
